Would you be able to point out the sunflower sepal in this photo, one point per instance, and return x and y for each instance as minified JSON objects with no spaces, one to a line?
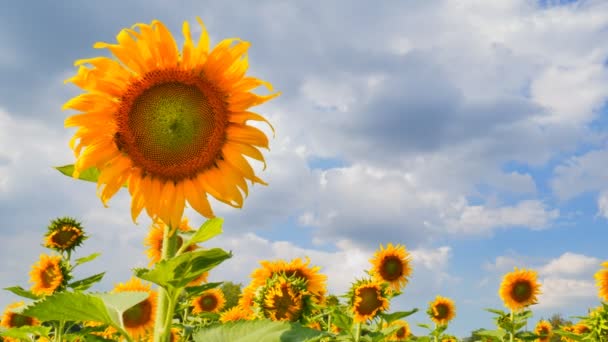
{"x":211,"y":228}
{"x":90,"y":175}
{"x":21,"y":292}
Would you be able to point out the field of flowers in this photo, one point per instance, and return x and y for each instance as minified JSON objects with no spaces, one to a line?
{"x":171,"y":127}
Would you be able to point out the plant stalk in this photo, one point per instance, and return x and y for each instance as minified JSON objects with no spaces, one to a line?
{"x":165,"y":303}
{"x":358,"y":332}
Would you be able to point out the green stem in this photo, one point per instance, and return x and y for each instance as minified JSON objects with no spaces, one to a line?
{"x":59,"y":331}
{"x":512,"y":325}
{"x":329,"y":323}
{"x":164,"y":306}
{"x":435,"y":333}
{"x":358,"y":332}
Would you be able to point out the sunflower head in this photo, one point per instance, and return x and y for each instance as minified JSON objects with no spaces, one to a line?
{"x":580,"y":328}
{"x":367,"y":298}
{"x":402,"y":334}
{"x":449,"y":339}
{"x":236,"y":313}
{"x":545,"y":330}
{"x":392,"y":265}
{"x":601,"y":278}
{"x":246,"y":298}
{"x":48,"y":275}
{"x":64,"y":234}
{"x":212,"y":300}
{"x":170,"y":124}
{"x":442,"y":310}
{"x":108,"y":333}
{"x":12,"y":317}
{"x":139,"y":319}
{"x":282,"y":298}
{"x":519,"y":289}
{"x":154,"y":240}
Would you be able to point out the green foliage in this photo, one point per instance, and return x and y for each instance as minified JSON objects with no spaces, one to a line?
{"x":206,"y":231}
{"x":232,"y":292}
{"x":20,"y":291}
{"x":90,"y":174}
{"x":86,"y":259}
{"x":25,"y":332}
{"x":257,"y":331}
{"x":86,"y":283}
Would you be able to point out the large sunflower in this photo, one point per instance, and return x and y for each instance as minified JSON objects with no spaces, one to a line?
{"x":64,"y":234}
{"x":392,"y":265}
{"x":171,"y":125}
{"x":212,"y":300}
{"x":282,"y":299}
{"x":139,"y":319}
{"x":47,"y":275}
{"x":442,"y":310}
{"x":519,"y":289}
{"x":545,"y":330}
{"x":367,"y":298}
{"x":601,"y":278}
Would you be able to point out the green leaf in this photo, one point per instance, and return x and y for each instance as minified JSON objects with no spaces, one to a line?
{"x":25,"y":332}
{"x":192,"y":291}
{"x":498,"y":312}
{"x":257,"y":331}
{"x":181,"y":270}
{"x":122,"y":301}
{"x":527,"y":336}
{"x":20,"y":291}
{"x":492,"y":333}
{"x":426,"y":326}
{"x":70,"y":306}
{"x":90,"y":174}
{"x":88,"y":258}
{"x":84,"y":284}
{"x":397,"y":315}
{"x":341,"y":320}
{"x":206,"y":231}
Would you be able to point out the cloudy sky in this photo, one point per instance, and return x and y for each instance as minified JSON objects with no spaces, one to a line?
{"x":472,"y":131}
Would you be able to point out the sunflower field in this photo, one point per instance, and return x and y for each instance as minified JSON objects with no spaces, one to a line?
{"x":170,"y":126}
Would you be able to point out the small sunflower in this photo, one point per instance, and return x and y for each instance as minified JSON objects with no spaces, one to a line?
{"x":392,"y":265}
{"x":282,"y":299}
{"x":12,"y":317}
{"x":47,"y":275}
{"x":246,"y":298}
{"x":139,"y":319}
{"x":171,"y":125}
{"x":402,"y":334}
{"x":449,"y":339}
{"x":442,"y":310}
{"x":212,"y":300}
{"x":64,"y":234}
{"x":367,"y":299}
{"x":175,"y":335}
{"x":544,"y":329}
{"x":236,"y":313}
{"x":601,"y":278}
{"x":315,"y":281}
{"x":580,"y":328}
{"x":314,"y":325}
{"x":154,"y":240}
{"x":519,"y":289}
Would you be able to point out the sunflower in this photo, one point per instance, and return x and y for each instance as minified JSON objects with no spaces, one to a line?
{"x":449,"y":339}
{"x":12,"y":317}
{"x":64,"y":234}
{"x":402,"y":333}
{"x":246,"y":298}
{"x":442,"y":310}
{"x":171,"y":125}
{"x":282,"y":299}
{"x":212,"y":300}
{"x":315,"y":282}
{"x":47,"y":275}
{"x":108,"y":333}
{"x":392,"y":265}
{"x":175,"y":335}
{"x":236,"y":313}
{"x":544,"y":329}
{"x":139,"y":319}
{"x":154,"y":239}
{"x":367,"y":299}
{"x":580,"y":329}
{"x":601,"y":277}
{"x":519,"y":289}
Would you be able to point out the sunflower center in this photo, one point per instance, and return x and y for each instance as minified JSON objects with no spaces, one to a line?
{"x":171,"y":124}
{"x":392,"y":268}
{"x":18,"y":320}
{"x":138,"y":315}
{"x":65,"y":237}
{"x":401,"y":332}
{"x":47,"y":277}
{"x":208,"y":303}
{"x":369,"y":301}
{"x":285,"y":305}
{"x":522,"y":291}
{"x":441,"y":311}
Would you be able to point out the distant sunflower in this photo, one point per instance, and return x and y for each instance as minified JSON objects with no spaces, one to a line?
{"x":519,"y":289}
{"x":47,"y":275}
{"x":246,"y":298}
{"x":314,"y":325}
{"x":402,"y":334}
{"x":139,"y":319}
{"x":236,"y":313}
{"x":367,"y":299}
{"x":201,"y":279}
{"x":580,"y":328}
{"x":392,"y":265}
{"x":12,"y":317}
{"x":154,"y":240}
{"x":171,"y":125}
{"x":601,"y":278}
{"x":449,"y":339}
{"x":64,"y":234}
{"x":212,"y":300}
{"x":544,"y":329}
{"x":315,"y":281}
{"x":175,"y":335}
{"x":282,"y":299}
{"x":108,"y":333}
{"x":442,"y":310}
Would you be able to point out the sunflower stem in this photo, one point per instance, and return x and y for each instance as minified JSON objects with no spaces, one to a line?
{"x":357,"y":332}
{"x":512,"y":326}
{"x":165,"y":306}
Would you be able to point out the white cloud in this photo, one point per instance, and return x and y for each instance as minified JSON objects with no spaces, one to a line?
{"x":570,"y":264}
{"x":580,"y":174}
{"x":565,"y":292}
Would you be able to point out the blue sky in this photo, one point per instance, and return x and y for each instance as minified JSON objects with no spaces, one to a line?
{"x":473,"y":132}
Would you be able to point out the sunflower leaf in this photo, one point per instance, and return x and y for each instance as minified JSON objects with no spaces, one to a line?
{"x":20,"y":291}
{"x":84,"y":284}
{"x":397,"y":315}
{"x":206,"y":231}
{"x":192,"y":291}
{"x":88,"y":258}
{"x":179,"y":271}
{"x":25,"y":332}
{"x":122,"y":301}
{"x":257,"y":331}
{"x":70,"y":306}
{"x":90,"y":174}
{"x":492,"y":333}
